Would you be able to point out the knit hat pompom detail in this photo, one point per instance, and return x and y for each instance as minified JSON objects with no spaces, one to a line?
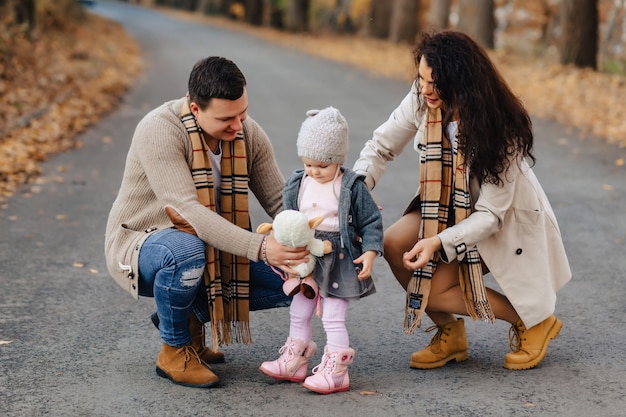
{"x":323,"y":136}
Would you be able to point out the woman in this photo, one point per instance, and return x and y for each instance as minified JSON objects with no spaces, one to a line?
{"x":479,"y":207}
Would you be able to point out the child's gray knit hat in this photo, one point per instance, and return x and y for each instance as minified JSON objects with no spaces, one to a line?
{"x":323,"y":136}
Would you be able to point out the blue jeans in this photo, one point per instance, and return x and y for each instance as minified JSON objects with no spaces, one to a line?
{"x":171,"y":266}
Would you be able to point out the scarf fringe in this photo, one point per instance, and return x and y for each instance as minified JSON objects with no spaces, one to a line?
{"x":481,"y":310}
{"x":412,"y":321}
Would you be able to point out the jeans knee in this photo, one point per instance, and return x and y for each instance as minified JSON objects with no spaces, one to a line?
{"x":190,"y":277}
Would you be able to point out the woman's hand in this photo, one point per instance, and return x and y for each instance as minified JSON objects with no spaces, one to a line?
{"x":421,"y":253}
{"x":283,"y":257}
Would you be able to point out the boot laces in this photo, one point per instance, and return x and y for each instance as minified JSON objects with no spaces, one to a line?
{"x":435,"y":342}
{"x":515,"y":337}
{"x":287,"y":351}
{"x":328,"y":364}
{"x":190,"y":354}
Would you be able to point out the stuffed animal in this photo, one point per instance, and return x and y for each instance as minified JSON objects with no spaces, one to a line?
{"x":293,"y":228}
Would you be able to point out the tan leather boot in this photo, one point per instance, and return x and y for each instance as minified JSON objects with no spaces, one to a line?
{"x":183,"y":366}
{"x":197,"y":332}
{"x":450,"y":342}
{"x":529,"y":346}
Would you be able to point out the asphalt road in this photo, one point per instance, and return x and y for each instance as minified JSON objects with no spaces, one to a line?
{"x":75,"y":344}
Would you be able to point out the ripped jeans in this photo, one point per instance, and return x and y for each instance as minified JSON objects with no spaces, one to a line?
{"x":171,"y":265}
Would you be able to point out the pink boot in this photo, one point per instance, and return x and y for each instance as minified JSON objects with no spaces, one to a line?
{"x":293,"y":361}
{"x":331,"y":375}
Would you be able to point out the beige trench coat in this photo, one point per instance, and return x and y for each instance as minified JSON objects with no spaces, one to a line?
{"x":512,"y":225}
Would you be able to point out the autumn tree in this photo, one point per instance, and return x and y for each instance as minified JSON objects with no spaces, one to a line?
{"x":297,"y":18}
{"x":254,"y":12}
{"x":439,"y":14}
{"x":477,"y":19}
{"x":579,"y":33}
{"x":380,"y":18}
{"x":404,"y":21}
{"x":272,"y":15}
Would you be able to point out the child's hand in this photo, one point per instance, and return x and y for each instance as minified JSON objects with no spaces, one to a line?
{"x":367,"y":261}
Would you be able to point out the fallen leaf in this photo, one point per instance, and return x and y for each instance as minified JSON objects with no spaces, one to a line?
{"x":107,"y":139}
{"x":60,"y":217}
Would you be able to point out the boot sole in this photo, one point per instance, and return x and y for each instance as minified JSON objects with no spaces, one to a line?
{"x":459,"y":357}
{"x":160,"y":372}
{"x":325,"y":392}
{"x":552,"y":334}
{"x":281,"y":377}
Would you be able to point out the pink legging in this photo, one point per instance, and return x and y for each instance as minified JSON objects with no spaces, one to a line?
{"x":333,"y":318}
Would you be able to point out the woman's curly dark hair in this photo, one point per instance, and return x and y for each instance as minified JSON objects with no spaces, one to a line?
{"x":494,"y":126}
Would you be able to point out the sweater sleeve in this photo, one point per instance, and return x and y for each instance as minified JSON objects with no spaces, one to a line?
{"x":486,"y":219}
{"x":165,"y":155}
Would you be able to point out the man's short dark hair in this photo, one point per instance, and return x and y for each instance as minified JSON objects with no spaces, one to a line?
{"x":215,"y":77}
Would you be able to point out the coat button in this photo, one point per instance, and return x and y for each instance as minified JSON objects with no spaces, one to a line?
{"x":518,"y":251}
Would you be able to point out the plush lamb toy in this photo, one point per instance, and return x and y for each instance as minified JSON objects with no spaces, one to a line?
{"x":293,"y":228}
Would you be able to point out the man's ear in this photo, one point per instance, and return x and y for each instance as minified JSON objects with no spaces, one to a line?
{"x":194,"y":108}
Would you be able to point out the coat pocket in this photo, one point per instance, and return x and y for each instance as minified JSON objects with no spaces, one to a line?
{"x":528,"y":216}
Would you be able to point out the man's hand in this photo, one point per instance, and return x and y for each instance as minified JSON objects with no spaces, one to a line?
{"x":284,"y":257}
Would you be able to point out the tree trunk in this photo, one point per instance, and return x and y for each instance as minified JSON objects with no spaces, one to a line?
{"x":404,"y":21}
{"x":26,"y":13}
{"x":340,"y":21}
{"x":579,"y":28}
{"x":272,"y":15}
{"x":203,"y":7}
{"x":477,"y":19}
{"x":254,"y":12}
{"x":439,"y":14}
{"x":297,"y":15}
{"x":380,"y":18}
{"x":224,"y":7}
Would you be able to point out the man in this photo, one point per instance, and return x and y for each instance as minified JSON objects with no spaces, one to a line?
{"x":179,"y":229}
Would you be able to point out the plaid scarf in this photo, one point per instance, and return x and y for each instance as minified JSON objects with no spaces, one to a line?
{"x":226,"y":276}
{"x":436,"y":182}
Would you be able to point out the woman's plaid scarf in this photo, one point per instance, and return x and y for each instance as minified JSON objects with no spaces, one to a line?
{"x":436,"y":182}
{"x":226,"y":276}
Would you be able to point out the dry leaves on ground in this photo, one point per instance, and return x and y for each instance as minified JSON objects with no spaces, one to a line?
{"x":56,"y":86}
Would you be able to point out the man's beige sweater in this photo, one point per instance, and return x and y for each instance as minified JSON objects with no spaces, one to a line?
{"x":157,"y":175}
